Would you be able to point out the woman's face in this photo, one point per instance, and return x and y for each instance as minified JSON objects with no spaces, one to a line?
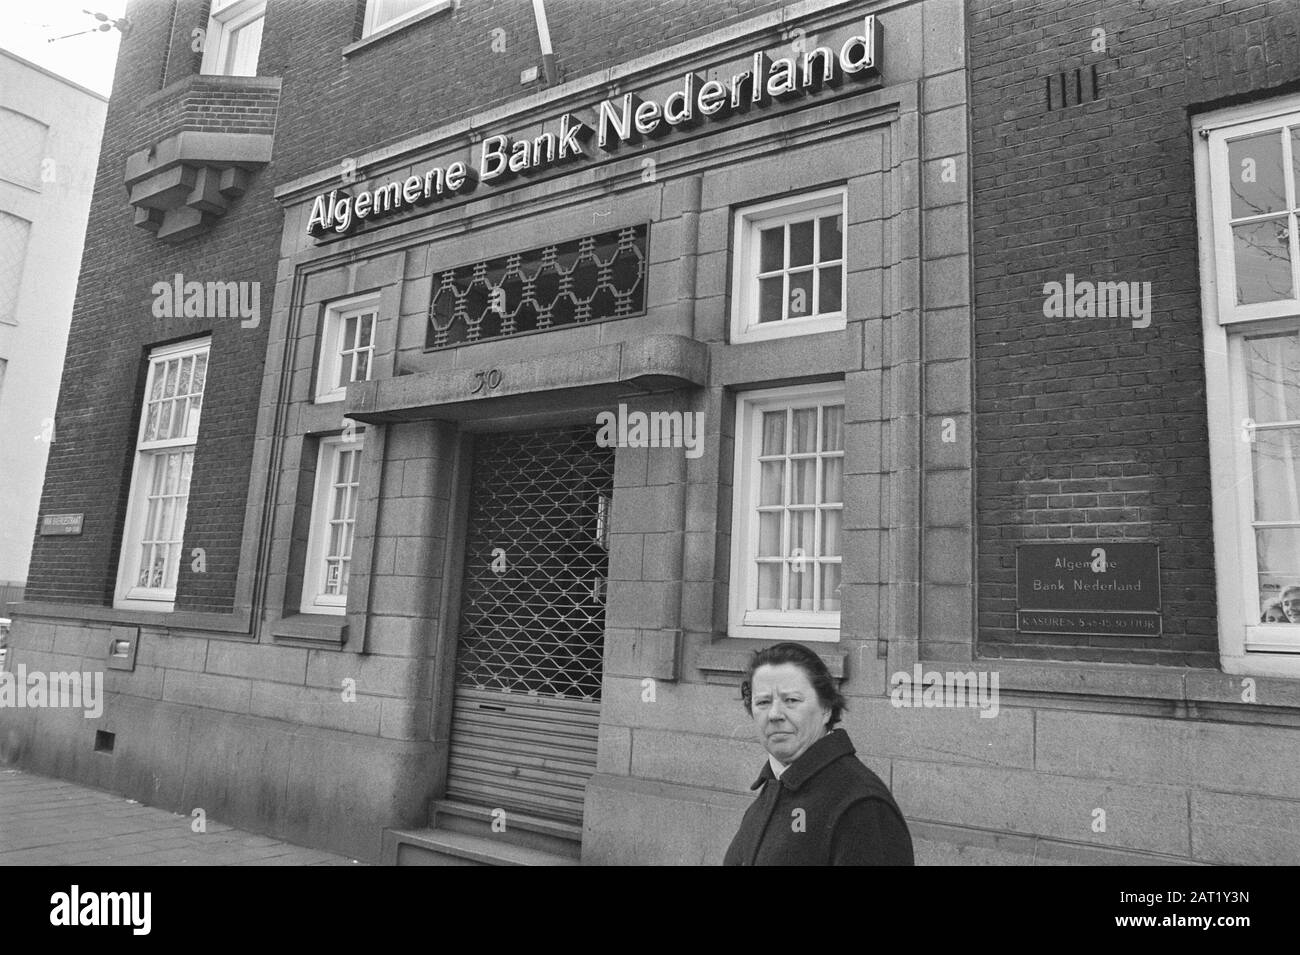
{"x":787,"y":712}
{"x":1291,"y":605}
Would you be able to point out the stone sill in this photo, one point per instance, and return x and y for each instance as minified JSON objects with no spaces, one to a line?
{"x":737,"y":661}
{"x":395,"y":28}
{"x":235,"y":624}
{"x":1181,"y":685}
{"x":311,"y":630}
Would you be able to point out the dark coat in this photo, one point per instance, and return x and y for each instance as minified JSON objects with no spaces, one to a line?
{"x":848,"y":815}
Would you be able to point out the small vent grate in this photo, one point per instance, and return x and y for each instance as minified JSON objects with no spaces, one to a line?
{"x":1072,"y":87}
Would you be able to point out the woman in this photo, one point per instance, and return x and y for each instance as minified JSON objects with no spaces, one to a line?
{"x":819,"y":804}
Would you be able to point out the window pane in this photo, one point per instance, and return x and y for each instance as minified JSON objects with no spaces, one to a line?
{"x":156,"y":386}
{"x":832,"y":239}
{"x":770,"y":293}
{"x":769,"y":586}
{"x":803,"y":481}
{"x":832,"y":480}
{"x":1295,"y":158}
{"x":151,"y":423}
{"x":830,"y":290}
{"x":186,"y":371}
{"x":1277,"y":552}
{"x":830,"y":574}
{"x":801,"y":586}
{"x":831,"y":521}
{"x":169,"y":386}
{"x":192,"y":422}
{"x":367,"y":330}
{"x":1262,"y":253}
{"x":769,"y":534}
{"x":801,"y":294}
{"x":200,"y":371}
{"x":771,"y":249}
{"x":804,"y":433}
{"x":801,"y":243}
{"x":833,"y":428}
{"x":774,"y":432}
{"x":1273,"y":377}
{"x":1255,"y":171}
{"x":362,"y":372}
{"x":770,"y":489}
{"x":1274,"y":456}
{"x":801,"y":533}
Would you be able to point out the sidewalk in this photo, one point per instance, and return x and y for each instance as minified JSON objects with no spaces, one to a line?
{"x":51,"y":822}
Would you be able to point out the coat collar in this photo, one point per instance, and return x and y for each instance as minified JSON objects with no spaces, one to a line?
{"x":815,"y":758}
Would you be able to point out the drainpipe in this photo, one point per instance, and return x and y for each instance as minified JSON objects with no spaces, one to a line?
{"x":544,"y":35}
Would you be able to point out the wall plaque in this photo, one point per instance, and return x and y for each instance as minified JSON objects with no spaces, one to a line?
{"x":1103,"y":588}
{"x":61,"y":523}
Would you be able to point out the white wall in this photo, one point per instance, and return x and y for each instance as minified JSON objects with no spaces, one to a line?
{"x":34,"y":346}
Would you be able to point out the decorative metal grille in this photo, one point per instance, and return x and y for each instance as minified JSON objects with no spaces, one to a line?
{"x":533,"y":611}
{"x":570,"y":283}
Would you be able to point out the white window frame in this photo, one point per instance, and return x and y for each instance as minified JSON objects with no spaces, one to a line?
{"x":330,"y":358}
{"x":225,"y":19}
{"x":745,"y":270}
{"x":1246,"y":646}
{"x":744,"y":620}
{"x":128,"y":594}
{"x":374,"y":25}
{"x":314,"y":598}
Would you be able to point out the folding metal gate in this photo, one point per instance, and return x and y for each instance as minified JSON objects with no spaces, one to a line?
{"x":532,"y":626}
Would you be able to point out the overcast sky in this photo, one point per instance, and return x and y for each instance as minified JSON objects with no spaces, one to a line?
{"x":27,"y":26}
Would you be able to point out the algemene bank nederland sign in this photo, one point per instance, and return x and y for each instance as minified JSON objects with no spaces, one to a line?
{"x":620,"y":121}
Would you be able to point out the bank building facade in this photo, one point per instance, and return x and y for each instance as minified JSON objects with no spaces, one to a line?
{"x":458,"y":394}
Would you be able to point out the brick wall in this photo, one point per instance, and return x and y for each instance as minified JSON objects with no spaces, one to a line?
{"x":331,"y":107}
{"x":1091,"y":428}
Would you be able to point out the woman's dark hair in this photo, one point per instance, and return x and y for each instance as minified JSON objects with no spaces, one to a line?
{"x":828,"y":691}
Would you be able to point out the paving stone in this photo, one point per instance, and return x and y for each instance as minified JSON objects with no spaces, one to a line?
{"x":50,"y":822}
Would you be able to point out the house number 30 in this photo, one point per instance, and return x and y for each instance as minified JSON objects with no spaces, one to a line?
{"x":485,"y":381}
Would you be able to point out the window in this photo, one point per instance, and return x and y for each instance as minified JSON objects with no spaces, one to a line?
{"x":789,"y":273}
{"x":347,"y":347}
{"x":382,"y":14}
{"x":24,"y":139}
{"x":14,"y":232}
{"x":160,"y":479}
{"x":333,"y":519}
{"x":788,"y":514}
{"x":1248,"y":185}
{"x":234,"y":37}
